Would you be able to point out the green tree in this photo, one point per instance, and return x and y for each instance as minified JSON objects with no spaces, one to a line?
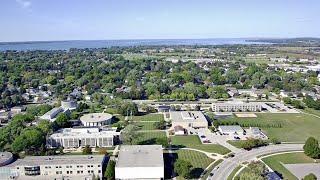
{"x":62,"y":120}
{"x":127,"y":108}
{"x":110,"y":170}
{"x":87,"y":150}
{"x":183,"y":168}
{"x":129,"y":134}
{"x":162,"y":141}
{"x":310,"y":176}
{"x":160,"y":124}
{"x":311,"y":148}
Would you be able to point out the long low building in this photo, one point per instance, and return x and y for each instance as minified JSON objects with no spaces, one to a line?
{"x":81,"y":137}
{"x":52,"y":114}
{"x":188,"y":119}
{"x":140,"y":162}
{"x":231,"y":130}
{"x":236,"y":106}
{"x":82,"y":167}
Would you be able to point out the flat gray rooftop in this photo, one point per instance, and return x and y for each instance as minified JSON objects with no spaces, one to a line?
{"x":57,"y":160}
{"x":140,"y":156}
{"x":187,"y":116}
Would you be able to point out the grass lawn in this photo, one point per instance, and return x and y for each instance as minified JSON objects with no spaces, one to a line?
{"x":233,"y":173}
{"x":198,"y":160}
{"x":193,"y":141}
{"x":235,"y":143}
{"x":148,"y":138}
{"x":294,"y":127}
{"x":146,"y":125}
{"x":148,"y":117}
{"x":215,"y":164}
{"x":312,"y":111}
{"x":275,"y":162}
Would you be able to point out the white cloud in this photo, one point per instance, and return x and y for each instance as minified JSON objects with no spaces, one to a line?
{"x":24,"y":3}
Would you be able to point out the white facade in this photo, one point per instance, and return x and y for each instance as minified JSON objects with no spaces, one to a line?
{"x":51,"y":115}
{"x":81,"y":167}
{"x":80,"y":137}
{"x":140,"y":162}
{"x":69,"y":105}
{"x":96,"y":119}
{"x":237,"y":106}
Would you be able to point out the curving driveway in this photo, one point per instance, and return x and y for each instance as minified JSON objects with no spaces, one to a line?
{"x":228,"y":165}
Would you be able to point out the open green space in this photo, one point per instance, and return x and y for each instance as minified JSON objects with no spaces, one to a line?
{"x":312,"y":111}
{"x":275,"y":162}
{"x":146,"y":125}
{"x":193,"y":141}
{"x":283,"y":126}
{"x":148,"y":138}
{"x":148,"y":117}
{"x":198,"y":160}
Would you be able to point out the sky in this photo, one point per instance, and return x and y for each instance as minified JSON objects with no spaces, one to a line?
{"x":47,"y":20}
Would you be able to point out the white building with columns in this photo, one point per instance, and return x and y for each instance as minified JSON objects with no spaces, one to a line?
{"x":96,"y":119}
{"x":80,"y":137}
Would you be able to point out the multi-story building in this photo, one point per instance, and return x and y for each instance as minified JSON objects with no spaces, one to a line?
{"x":55,"y":167}
{"x":236,"y":106}
{"x":96,"y":119}
{"x":81,"y":137}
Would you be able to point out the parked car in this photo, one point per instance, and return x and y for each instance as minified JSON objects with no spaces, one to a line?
{"x":206,"y":141}
{"x":236,"y":138}
{"x":203,"y":136}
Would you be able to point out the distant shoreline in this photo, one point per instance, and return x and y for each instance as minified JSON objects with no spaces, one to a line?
{"x":81,"y":44}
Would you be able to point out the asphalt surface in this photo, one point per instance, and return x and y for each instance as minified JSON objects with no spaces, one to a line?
{"x":228,"y":165}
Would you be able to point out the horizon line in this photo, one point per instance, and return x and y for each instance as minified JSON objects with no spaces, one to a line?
{"x":248,"y":38}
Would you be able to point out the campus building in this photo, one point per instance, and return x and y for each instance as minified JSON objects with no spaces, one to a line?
{"x":188,"y":119}
{"x":231,"y":130}
{"x":236,"y":106}
{"x":96,"y":119}
{"x":82,"y":167}
{"x":52,"y":114}
{"x":80,"y":137}
{"x":140,"y":162}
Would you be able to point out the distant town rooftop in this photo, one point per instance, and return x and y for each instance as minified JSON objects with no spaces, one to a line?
{"x":140,"y":156}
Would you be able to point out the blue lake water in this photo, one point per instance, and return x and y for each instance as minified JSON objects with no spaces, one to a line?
{"x":65,"y":45}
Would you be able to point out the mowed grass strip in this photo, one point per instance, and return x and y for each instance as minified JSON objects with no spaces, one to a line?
{"x":294,"y":127}
{"x":193,"y":141}
{"x":275,"y":162}
{"x":207,"y":173}
{"x":233,"y":173}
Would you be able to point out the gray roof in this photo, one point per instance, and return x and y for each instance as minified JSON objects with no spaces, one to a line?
{"x":230,"y":128}
{"x":187,"y":116}
{"x":57,"y":160}
{"x":140,"y":156}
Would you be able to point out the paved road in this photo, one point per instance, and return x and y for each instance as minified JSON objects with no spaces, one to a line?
{"x":228,"y":165}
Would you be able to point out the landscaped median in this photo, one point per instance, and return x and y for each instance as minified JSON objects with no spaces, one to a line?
{"x":193,"y":141}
